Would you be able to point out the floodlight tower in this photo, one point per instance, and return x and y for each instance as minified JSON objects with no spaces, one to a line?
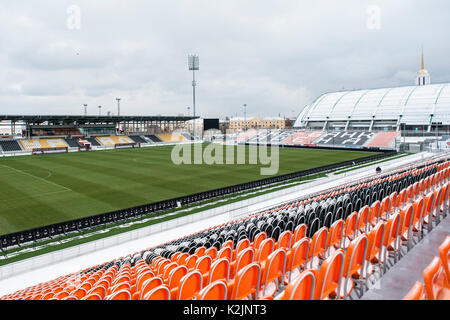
{"x":99,"y":110}
{"x":118,"y":106}
{"x":245,"y":116}
{"x":85,"y":109}
{"x":193,"y":63}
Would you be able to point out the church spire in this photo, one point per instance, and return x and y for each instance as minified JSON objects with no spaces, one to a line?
{"x":423,"y":77}
{"x":422,"y":65}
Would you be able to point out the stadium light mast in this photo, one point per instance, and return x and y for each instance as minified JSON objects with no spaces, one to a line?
{"x":85,"y":109}
{"x":99,"y":110}
{"x":245,"y":116}
{"x":193,"y":64}
{"x":118,"y":106}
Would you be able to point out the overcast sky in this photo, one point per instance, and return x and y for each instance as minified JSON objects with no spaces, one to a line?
{"x":275,"y":56}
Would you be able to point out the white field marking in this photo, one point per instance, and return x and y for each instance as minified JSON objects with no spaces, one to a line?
{"x":39,"y":178}
{"x":35,"y":195}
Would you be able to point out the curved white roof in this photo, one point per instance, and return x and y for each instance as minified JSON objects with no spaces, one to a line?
{"x":412,"y":105}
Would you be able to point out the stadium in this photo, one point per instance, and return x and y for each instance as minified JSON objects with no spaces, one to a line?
{"x":96,"y":207}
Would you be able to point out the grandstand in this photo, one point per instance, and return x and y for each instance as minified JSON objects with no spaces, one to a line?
{"x":358,"y":231}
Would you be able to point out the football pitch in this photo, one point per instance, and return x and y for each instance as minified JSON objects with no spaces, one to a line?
{"x":51,"y":188}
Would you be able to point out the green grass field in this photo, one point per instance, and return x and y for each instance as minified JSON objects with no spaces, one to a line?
{"x":51,"y":188}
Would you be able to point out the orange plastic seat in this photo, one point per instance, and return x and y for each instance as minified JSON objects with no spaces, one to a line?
{"x":301,"y":288}
{"x":158,"y":293}
{"x":216,"y":290}
{"x":318,"y":245}
{"x":329,"y":277}
{"x":273,"y":272}
{"x":435,"y":281}
{"x":190,"y":285}
{"x":354,"y":264}
{"x":297,"y":257}
{"x":243,"y":259}
{"x":300,"y":232}
{"x":246,"y":283}
{"x":417,"y":292}
{"x":443,"y":254}
{"x":220,"y":270}
{"x":120,"y":295}
{"x":146,"y":287}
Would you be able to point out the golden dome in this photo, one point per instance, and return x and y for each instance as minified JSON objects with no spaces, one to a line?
{"x":422,"y":71}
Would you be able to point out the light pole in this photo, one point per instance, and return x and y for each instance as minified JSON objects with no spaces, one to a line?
{"x":245,"y":116}
{"x":118,"y":106}
{"x":85,"y":109}
{"x":193,"y":64}
{"x":99,"y":110}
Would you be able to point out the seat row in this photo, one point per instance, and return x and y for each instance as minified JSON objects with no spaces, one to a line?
{"x":436,"y":278}
{"x":265,"y":252}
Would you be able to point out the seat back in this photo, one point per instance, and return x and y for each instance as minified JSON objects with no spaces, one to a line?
{"x":434,"y":278}
{"x":319,"y":242}
{"x":299,"y":253}
{"x":220,"y":270}
{"x":265,"y":249}
{"x":363,"y":218}
{"x":225,"y":252}
{"x":175,"y":276}
{"x":392,"y":229}
{"x":355,"y":259}
{"x":120,"y":295}
{"x":190,"y":285}
{"x":336,"y":233}
{"x":158,"y":293}
{"x":245,"y":258}
{"x":300,"y":232}
{"x":302,"y":288}
{"x":216,"y":290}
{"x":374,"y":213}
{"x":204,"y":264}
{"x":285,"y":240}
{"x":351,"y":225}
{"x":191,"y":261}
{"x":417,"y":292}
{"x":247,"y":282}
{"x":330,"y":274}
{"x":149,"y":285}
{"x":275,"y":266}
{"x":443,"y":254}
{"x":259,"y":238}
{"x":375,"y":240}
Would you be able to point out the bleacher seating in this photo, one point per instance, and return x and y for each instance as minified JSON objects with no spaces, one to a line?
{"x":72,"y":142}
{"x":137,"y":139}
{"x":30,"y":144}
{"x":345,"y":138}
{"x":332,"y":237}
{"x":436,"y":277}
{"x":384,"y":139}
{"x":154,"y":138}
{"x":93,"y":141}
{"x":171,"y":137}
{"x":10,"y":145}
{"x":113,"y":140}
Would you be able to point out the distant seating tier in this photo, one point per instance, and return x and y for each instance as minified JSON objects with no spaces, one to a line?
{"x":326,"y":246}
{"x":10,"y":145}
{"x":356,"y":139}
{"x":30,"y":144}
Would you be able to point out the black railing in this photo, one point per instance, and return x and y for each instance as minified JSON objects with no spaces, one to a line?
{"x":49,"y":231}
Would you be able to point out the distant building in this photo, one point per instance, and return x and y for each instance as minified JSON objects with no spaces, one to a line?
{"x":239,"y":123}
